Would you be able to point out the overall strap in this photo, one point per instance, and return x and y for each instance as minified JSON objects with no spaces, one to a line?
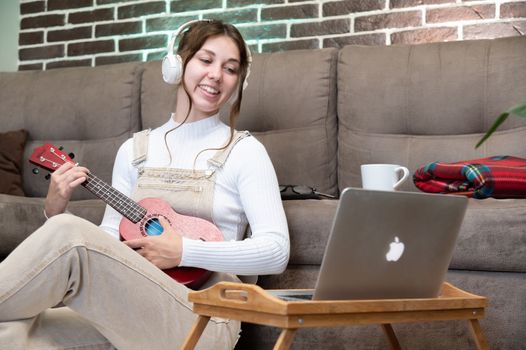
{"x":140,"y":146}
{"x":222,"y":155}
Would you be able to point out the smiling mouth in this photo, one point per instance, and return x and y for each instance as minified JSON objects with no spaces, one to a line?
{"x":209,"y":89}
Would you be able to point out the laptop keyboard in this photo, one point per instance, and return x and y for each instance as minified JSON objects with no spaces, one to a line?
{"x":295,"y":297}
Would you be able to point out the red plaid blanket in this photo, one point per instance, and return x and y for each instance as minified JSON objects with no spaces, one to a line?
{"x":497,"y":177}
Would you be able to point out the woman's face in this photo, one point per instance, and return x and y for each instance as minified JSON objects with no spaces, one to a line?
{"x":211,"y":75}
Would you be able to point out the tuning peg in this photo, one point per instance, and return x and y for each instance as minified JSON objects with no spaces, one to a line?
{"x":71,"y":155}
{"x":60,"y":148}
{"x":47,"y":176}
{"x":35,"y":171}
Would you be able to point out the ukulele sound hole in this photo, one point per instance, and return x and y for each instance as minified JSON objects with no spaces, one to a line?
{"x":153,"y":227}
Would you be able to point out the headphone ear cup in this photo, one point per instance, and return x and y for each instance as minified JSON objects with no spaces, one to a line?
{"x":172,"y":69}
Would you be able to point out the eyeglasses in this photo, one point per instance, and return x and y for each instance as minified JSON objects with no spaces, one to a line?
{"x":303,"y":190}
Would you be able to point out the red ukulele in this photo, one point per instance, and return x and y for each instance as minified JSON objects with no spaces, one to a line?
{"x":141,"y":218}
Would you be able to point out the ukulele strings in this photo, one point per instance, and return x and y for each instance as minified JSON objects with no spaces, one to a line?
{"x":153,"y":226}
{"x":113,"y":196}
{"x":156,"y":227}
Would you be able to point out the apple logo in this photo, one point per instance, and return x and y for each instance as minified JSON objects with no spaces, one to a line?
{"x":396,"y":249}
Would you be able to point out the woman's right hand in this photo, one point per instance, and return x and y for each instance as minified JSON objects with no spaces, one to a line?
{"x":63,"y":182}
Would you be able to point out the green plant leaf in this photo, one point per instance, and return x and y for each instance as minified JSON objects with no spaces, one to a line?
{"x":494,"y":127}
{"x":519,"y":110}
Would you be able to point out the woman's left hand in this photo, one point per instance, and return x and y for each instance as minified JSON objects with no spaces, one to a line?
{"x":164,"y":251}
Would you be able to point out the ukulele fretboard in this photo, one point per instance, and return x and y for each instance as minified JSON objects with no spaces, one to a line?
{"x":115,"y":199}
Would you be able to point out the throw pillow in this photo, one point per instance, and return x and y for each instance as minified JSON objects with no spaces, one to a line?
{"x":11,"y":153}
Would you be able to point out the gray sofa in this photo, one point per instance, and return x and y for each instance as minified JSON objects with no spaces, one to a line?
{"x":320,"y":113}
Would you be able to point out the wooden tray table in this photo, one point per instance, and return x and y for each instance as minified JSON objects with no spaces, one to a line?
{"x":250,"y":303}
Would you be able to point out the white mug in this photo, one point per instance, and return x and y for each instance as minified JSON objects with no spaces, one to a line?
{"x":384,"y":177}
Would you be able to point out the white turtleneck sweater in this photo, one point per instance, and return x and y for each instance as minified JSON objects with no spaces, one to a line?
{"x":246,"y":189}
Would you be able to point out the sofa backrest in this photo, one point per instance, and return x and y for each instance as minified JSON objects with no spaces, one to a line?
{"x":289,"y":105}
{"x":89,"y":111}
{"x":157,"y":97}
{"x":412,"y":105}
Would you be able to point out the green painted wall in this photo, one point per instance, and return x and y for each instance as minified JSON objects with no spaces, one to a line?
{"x":9,"y":27}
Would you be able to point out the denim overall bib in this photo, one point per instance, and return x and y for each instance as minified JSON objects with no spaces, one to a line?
{"x":189,"y":191}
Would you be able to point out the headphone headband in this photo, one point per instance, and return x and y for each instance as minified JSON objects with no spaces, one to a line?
{"x":172,"y":64}
{"x":179,"y":30}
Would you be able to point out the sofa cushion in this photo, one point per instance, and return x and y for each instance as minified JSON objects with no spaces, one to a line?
{"x":492,"y":236}
{"x":157,"y":97}
{"x":298,"y":161}
{"x":11,"y":150}
{"x":79,"y":103}
{"x":289,"y":105}
{"x":414,"y":151}
{"x":74,"y":104}
{"x":309,"y":222}
{"x":431,"y":89}
{"x":22,"y":215}
{"x":436,"y":102}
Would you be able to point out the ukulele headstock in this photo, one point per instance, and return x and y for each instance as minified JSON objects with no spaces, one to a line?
{"x":49,"y":157}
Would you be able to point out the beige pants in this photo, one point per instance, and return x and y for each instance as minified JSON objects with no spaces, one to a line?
{"x":111,"y":297}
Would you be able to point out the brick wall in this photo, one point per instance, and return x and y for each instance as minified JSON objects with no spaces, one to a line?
{"x":64,"y":33}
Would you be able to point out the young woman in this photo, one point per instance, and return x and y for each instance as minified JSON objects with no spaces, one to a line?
{"x":72,"y":285}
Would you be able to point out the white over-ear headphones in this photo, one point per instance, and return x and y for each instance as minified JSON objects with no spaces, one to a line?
{"x":172,"y":66}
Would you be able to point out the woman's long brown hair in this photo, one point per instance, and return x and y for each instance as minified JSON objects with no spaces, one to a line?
{"x":191,"y":41}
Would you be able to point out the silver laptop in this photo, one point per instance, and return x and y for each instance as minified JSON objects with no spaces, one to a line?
{"x":387,"y":245}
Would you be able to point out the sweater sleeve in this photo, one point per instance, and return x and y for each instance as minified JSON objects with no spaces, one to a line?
{"x":267,"y":250}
